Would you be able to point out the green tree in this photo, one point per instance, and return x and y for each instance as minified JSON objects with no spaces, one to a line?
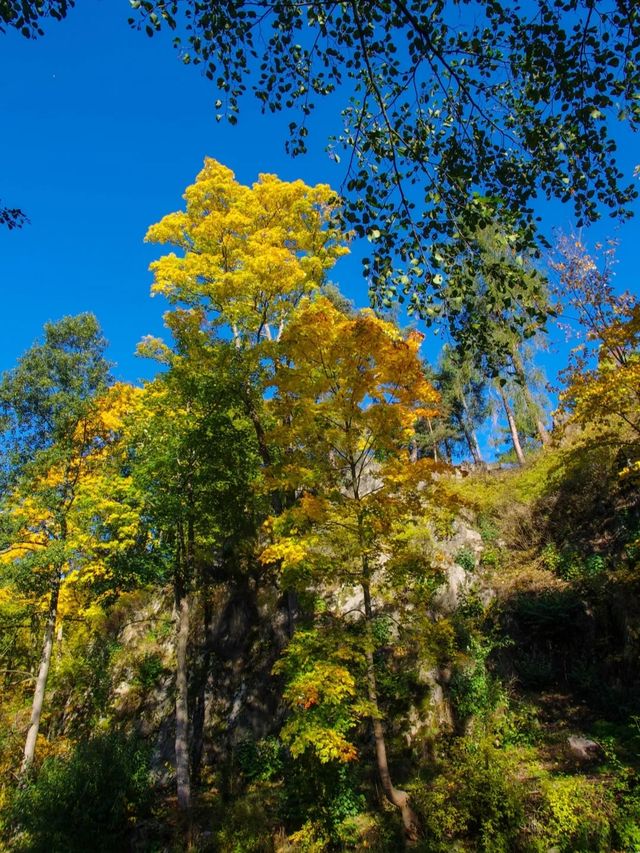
{"x":463,"y":390}
{"x":194,"y":459}
{"x":454,"y":115}
{"x":48,"y":405}
{"x":496,"y":319}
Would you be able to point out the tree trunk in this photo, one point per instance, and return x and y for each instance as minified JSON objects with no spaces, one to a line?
{"x":183,"y":783}
{"x":543,"y":433}
{"x":472,"y":442}
{"x":469,"y":433}
{"x":197,"y":726}
{"x":434,"y":444}
{"x":41,"y":682}
{"x":398,"y":798}
{"x":183,"y":576}
{"x":515,"y":438}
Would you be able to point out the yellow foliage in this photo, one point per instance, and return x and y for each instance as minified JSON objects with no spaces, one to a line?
{"x":287,"y":552}
{"x":249,"y":253}
{"x":57,"y":510}
{"x":612,"y":389}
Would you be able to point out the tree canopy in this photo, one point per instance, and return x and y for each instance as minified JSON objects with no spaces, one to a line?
{"x":454,"y":115}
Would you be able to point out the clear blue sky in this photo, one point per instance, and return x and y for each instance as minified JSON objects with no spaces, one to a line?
{"x":103,"y":130}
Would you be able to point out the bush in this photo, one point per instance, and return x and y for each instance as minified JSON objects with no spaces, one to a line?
{"x":475,"y":800}
{"x":466,"y":559}
{"x":86,"y":801}
{"x":575,"y":814}
{"x":570,"y":566}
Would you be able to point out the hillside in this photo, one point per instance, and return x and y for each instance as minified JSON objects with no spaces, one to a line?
{"x":512,"y":715}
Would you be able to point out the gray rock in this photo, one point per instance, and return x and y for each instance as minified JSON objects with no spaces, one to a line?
{"x":582,"y":749}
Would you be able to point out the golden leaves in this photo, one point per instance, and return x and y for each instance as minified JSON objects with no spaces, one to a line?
{"x":249,"y":253}
{"x":612,"y":389}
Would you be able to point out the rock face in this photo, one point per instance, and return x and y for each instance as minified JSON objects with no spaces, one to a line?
{"x":460,"y":578}
{"x":237,"y":634}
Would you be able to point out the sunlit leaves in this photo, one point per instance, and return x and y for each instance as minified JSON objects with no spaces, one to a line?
{"x":611,"y":390}
{"x":248,"y":253}
{"x":603,"y":377}
{"x":321,"y":693}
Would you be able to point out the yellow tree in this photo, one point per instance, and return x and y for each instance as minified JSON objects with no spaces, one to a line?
{"x":248,"y":255}
{"x":348,"y":398}
{"x":245,"y":258}
{"x":51,"y":554}
{"x":603,"y":377}
{"x":611,"y":389}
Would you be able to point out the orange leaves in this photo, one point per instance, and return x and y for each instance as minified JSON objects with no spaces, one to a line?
{"x":322,"y":698}
{"x":352,"y":384}
{"x":326,"y":682}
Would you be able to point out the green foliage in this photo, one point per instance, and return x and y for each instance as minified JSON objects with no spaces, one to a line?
{"x":323,"y":795}
{"x":475,"y":692}
{"x":475,"y":798}
{"x":49,"y":392}
{"x":491,"y":557}
{"x":417,"y":133}
{"x":149,"y":669}
{"x":487,"y":528}
{"x":87,"y":801}
{"x":466,"y":558}
{"x":576,"y":814}
{"x":570,"y":565}
{"x":248,"y":822}
{"x":260,"y":760}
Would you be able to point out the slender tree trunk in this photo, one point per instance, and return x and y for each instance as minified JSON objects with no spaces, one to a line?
{"x":543,"y":433}
{"x":183,"y":782}
{"x":43,"y":674}
{"x":433,"y":442}
{"x":470,"y":433}
{"x":254,"y":417}
{"x":515,"y":438}
{"x":183,"y":576}
{"x":474,"y":447}
{"x":197,"y":726}
{"x":398,"y":798}
{"x":472,"y":441}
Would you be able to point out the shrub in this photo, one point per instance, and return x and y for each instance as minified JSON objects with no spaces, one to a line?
{"x":86,"y":801}
{"x":466,"y":559}
{"x":576,"y":814}
{"x":476,"y":798}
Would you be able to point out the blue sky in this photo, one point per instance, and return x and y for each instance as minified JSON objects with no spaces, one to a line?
{"x":104,"y":128}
